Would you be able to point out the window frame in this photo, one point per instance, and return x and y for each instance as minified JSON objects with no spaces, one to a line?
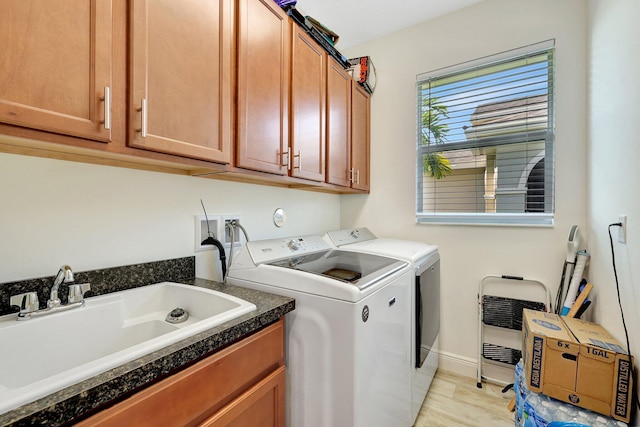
{"x":546,"y":136}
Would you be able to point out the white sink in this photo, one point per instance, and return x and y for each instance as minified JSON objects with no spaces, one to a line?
{"x":48,"y":353}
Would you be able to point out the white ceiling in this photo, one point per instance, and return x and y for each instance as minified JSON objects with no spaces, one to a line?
{"x":358,"y":21}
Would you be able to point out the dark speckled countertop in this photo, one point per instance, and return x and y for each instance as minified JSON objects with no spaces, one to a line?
{"x":90,"y":396}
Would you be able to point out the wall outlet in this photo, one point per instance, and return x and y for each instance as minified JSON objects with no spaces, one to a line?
{"x":622,"y":230}
{"x":203,"y":229}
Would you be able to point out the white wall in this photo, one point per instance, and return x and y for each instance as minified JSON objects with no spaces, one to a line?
{"x":57,"y":212}
{"x":614,"y":150}
{"x":471,"y":252}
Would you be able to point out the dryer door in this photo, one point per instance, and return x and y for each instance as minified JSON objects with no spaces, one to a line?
{"x":427,"y":309}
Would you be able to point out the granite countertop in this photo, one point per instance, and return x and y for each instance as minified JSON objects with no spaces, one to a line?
{"x":90,"y":396}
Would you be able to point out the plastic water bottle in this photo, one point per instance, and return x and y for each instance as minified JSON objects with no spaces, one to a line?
{"x":544,"y":412}
{"x":584,"y":417}
{"x":529,"y":410}
{"x":566,"y":424}
{"x":600,"y":422}
{"x":565,"y":413}
{"x":521,"y":391}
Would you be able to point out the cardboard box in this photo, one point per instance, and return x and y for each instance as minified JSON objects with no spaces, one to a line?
{"x":578,"y":362}
{"x":364,"y":72}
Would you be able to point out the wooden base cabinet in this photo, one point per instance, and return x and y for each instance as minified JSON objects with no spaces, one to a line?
{"x":242,"y":385}
{"x":261,"y":406}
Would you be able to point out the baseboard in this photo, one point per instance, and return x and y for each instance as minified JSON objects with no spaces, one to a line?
{"x":468,"y":367}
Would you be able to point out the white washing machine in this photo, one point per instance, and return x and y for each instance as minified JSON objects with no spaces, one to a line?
{"x":348,"y":354}
{"x":425,"y":299}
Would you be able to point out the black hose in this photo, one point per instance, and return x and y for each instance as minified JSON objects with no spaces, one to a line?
{"x":223,"y":256}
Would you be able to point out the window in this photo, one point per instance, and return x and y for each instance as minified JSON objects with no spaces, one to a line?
{"x":486,"y":140}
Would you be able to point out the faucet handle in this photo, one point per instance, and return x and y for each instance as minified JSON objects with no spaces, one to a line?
{"x":28,"y":302}
{"x":76,"y":292}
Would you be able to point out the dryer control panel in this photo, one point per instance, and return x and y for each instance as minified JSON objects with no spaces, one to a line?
{"x":263,"y":251}
{"x":350,"y":235}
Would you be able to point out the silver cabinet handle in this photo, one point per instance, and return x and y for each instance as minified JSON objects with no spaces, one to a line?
{"x":143,"y":112}
{"x":145,"y":117}
{"x":286,"y":155}
{"x":299,"y":156}
{"x":351,"y":175}
{"x":107,"y":107}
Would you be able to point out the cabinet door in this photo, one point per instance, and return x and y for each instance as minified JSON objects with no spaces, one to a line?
{"x":200,"y":391}
{"x":264,"y":48}
{"x":261,"y":406}
{"x":308,"y":109}
{"x":181,"y":77}
{"x":56,"y":66}
{"x":360,"y":114}
{"x":338,"y":125}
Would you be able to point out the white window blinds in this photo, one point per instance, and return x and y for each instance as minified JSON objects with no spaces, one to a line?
{"x":486,"y":140}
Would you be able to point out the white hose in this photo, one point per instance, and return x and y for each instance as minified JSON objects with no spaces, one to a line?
{"x":572,"y":292}
{"x":232,"y":231}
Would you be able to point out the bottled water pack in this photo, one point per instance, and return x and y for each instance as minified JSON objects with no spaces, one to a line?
{"x":538,"y":410}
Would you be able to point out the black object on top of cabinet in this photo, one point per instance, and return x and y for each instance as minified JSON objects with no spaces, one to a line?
{"x":317,"y":36}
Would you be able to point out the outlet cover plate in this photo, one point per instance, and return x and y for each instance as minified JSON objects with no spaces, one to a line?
{"x":201,"y":231}
{"x":225,"y":233}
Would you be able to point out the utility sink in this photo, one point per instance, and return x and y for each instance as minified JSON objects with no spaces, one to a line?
{"x":48,"y":353}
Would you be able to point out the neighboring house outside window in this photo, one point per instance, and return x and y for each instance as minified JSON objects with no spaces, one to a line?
{"x":486,"y":141}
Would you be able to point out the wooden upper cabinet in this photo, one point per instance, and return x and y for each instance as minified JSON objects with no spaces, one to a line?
{"x":338,"y":125}
{"x":308,"y":107}
{"x":181,"y":77}
{"x":264,"y":47}
{"x":56,"y":66}
{"x":360,"y":138}
{"x":348,"y":136}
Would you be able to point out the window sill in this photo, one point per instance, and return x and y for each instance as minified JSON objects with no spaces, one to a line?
{"x":493,"y":219}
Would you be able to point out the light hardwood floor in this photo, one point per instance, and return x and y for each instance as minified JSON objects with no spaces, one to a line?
{"x":454,"y":400}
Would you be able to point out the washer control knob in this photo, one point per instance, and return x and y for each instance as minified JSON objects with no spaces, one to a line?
{"x":355,"y":234}
{"x":293,"y":245}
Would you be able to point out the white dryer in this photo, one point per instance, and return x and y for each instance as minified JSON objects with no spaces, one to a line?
{"x":347,"y":357}
{"x":425,"y":299}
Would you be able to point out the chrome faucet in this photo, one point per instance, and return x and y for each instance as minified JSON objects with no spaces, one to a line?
{"x":30,"y":307}
{"x":65,"y":275}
